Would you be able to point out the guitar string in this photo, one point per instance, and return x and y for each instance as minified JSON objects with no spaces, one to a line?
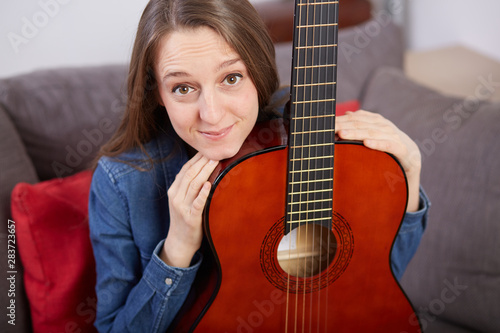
{"x":327,"y":173}
{"x":310,"y":207}
{"x":292,"y":168}
{"x":303,"y":144}
{"x":323,"y":95}
{"x":325,"y":308}
{"x":318,"y":307}
{"x":335,"y":14}
{"x":310,"y":201}
{"x":316,"y":120}
{"x":300,"y":202}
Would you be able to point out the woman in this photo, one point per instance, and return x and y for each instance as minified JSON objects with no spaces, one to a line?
{"x":202,"y":73}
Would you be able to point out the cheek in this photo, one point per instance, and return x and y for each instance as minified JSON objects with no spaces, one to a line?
{"x":248,"y":106}
{"x":181,"y":118}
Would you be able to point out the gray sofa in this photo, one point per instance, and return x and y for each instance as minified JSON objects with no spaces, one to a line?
{"x":454,"y":279}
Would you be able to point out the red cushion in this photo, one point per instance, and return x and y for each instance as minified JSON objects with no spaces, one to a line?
{"x":54,"y":246}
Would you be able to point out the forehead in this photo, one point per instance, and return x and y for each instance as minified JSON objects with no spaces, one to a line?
{"x":188,"y":47}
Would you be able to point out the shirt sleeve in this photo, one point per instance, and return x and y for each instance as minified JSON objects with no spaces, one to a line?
{"x":409,"y":236}
{"x":130,"y":297}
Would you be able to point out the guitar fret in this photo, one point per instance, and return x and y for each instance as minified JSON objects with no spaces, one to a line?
{"x":310,"y":181}
{"x":317,"y":25}
{"x":311,"y":191}
{"x":305,"y":202}
{"x":308,"y":220}
{"x":310,"y":211}
{"x":315,"y":46}
{"x":309,"y":132}
{"x":318,"y":3}
{"x":310,"y":158}
{"x":316,"y":101}
{"x":314,"y":145}
{"x":316,"y":66}
{"x":313,"y":84}
{"x":312,"y":170}
{"x":314,"y":117}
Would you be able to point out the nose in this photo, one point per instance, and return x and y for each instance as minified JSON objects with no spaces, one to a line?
{"x":211,"y":110}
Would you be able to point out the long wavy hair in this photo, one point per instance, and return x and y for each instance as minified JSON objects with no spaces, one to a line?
{"x":235,"y":20}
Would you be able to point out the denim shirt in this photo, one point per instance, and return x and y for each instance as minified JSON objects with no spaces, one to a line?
{"x":129,"y":220}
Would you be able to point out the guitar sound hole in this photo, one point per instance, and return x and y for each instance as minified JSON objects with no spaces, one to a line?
{"x":307,"y":250}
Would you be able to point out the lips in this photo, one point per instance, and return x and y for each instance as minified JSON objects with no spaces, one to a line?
{"x":217,"y":134}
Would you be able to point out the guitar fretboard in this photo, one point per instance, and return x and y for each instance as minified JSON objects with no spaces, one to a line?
{"x":312,"y":114}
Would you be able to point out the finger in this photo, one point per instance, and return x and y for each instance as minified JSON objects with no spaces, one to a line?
{"x":361,"y":119}
{"x":368,"y":132}
{"x":200,"y":201}
{"x":394,"y":147}
{"x":196,"y":183}
{"x":189,"y":172}
{"x":374,"y":131}
{"x":182,"y":172}
{"x":365,"y":125}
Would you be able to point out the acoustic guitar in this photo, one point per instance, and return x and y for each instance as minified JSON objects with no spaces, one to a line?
{"x":299,"y":226}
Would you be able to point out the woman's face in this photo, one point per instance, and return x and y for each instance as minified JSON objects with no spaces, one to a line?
{"x":204,"y":85}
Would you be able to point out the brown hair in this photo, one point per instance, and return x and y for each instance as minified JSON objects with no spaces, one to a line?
{"x":235,"y":20}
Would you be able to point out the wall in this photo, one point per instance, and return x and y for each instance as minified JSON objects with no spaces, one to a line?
{"x":37,"y":34}
{"x":433,"y":24}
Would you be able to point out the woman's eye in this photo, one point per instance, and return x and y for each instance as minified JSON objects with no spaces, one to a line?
{"x":182,"y":90}
{"x":232,"y":79}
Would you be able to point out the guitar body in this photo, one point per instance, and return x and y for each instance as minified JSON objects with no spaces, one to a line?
{"x":248,"y":291}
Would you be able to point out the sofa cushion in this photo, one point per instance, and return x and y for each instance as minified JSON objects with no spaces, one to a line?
{"x":64,"y":115}
{"x":454,"y":276}
{"x":54,"y":246}
{"x":362,"y":48}
{"x":15,"y":166}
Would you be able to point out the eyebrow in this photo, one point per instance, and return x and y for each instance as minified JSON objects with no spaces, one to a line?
{"x":227,"y":64}
{"x":223,"y":65}
{"x":175,"y":74}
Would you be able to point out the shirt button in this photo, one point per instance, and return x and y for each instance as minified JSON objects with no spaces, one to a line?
{"x":168,"y":281}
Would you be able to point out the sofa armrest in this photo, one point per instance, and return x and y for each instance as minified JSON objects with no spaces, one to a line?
{"x":15,"y":166}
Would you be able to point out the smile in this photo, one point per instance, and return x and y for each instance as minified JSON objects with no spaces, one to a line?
{"x":217,"y":135}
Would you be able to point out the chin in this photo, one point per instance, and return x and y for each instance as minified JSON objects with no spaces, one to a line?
{"x":221,"y":154}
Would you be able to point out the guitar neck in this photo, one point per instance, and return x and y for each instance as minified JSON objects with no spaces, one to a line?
{"x":312,"y":113}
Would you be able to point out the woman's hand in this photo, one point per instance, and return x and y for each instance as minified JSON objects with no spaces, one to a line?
{"x":186,"y":198}
{"x":378,"y":133}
